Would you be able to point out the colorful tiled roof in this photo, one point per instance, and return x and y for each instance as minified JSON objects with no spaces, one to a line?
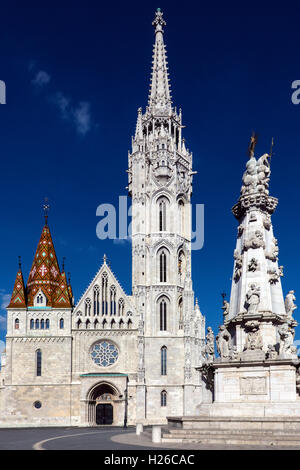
{"x":18,"y":297}
{"x":45,"y":275}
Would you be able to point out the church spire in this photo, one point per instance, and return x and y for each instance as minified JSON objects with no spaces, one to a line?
{"x":160,"y":96}
{"x":18,"y":297}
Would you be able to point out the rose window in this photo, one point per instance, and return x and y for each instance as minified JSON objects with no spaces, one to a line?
{"x":104,"y":353}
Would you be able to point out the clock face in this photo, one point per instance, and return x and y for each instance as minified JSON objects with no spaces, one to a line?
{"x":104,"y":353}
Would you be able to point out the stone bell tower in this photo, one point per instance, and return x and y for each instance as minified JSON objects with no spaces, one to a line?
{"x":160,"y":184}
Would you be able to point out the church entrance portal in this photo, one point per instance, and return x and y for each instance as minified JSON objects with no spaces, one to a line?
{"x":104,"y":413}
{"x":105,"y":406}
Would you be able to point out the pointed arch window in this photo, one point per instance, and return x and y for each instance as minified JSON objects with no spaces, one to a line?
{"x":31,"y":324}
{"x":47,"y":324}
{"x":181,"y":216}
{"x":104,"y":294}
{"x":180,"y":308}
{"x":96,"y":300}
{"x":38,"y":360}
{"x":37,"y":324}
{"x":162,"y":214}
{"x":87,"y":307}
{"x":163,"y":314}
{"x":163,"y":398}
{"x":162,"y":266}
{"x":163,"y":359}
{"x":112,"y":300}
{"x":42,"y":324}
{"x":121,"y":307}
{"x":17,"y":324}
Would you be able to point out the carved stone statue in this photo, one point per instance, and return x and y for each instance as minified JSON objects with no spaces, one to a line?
{"x":275,"y":275}
{"x":234,"y":355}
{"x":286,"y":334}
{"x":257,"y":175}
{"x":253,"y":339}
{"x":240,"y":230}
{"x":255,"y":241}
{"x":210,"y":345}
{"x":225,"y":309}
{"x":273,"y":254}
{"x":224,"y":342}
{"x":289,"y":303}
{"x":253,"y":265}
{"x":238,"y":265}
{"x":271,"y":352}
{"x":267,"y":222}
{"x":252,"y":299}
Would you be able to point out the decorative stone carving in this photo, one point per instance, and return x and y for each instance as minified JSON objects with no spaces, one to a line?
{"x":238,"y":265}
{"x":253,"y":385}
{"x":286,"y":347}
{"x":234,"y":355}
{"x":257,"y":175}
{"x":267,"y":222}
{"x":275,"y":275}
{"x":224,"y":342}
{"x":255,"y":241}
{"x":273,"y":254}
{"x":252,"y":299}
{"x":210,"y":345}
{"x":271,"y":352}
{"x":253,"y":265}
{"x":253,"y":340}
{"x":289,"y":303}
{"x":240,"y":230}
{"x":252,"y":217}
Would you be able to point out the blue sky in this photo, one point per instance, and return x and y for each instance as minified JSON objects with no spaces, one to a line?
{"x":76,"y":73}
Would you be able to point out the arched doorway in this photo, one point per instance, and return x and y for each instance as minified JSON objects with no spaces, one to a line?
{"x":103,"y":405}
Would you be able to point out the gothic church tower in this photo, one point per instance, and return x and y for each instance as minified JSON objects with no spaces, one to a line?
{"x":160,"y":184}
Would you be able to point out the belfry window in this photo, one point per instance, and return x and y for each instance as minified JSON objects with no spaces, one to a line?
{"x":163,"y":358}
{"x":17,"y":324}
{"x":162,"y":215}
{"x":163,"y":266}
{"x":163,"y":315}
{"x":61,"y":323}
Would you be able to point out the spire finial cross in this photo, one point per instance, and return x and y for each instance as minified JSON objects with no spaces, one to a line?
{"x":46,"y":208}
{"x":158,"y":21}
